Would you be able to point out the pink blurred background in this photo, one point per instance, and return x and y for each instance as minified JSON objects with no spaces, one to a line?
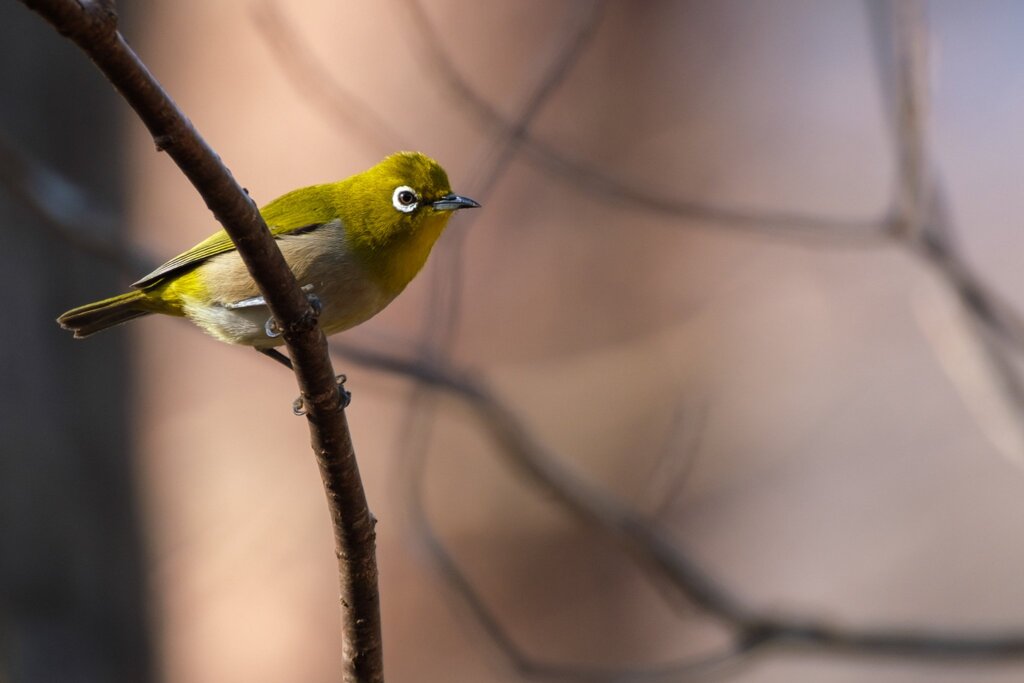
{"x":804,"y":414}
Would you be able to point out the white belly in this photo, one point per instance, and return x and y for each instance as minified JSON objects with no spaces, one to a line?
{"x":248,"y":325}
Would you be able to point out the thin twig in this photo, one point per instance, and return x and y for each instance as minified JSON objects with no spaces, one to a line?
{"x":675,"y":461}
{"x":911,"y":120}
{"x":922,"y":223}
{"x":92,"y":25}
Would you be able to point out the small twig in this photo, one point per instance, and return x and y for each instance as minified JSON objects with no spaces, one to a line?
{"x":921,"y":222}
{"x":92,"y":25}
{"x":939,"y":251}
{"x":675,"y":461}
{"x":912,"y":198}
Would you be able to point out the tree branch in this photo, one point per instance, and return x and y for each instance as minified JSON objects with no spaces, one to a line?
{"x":92,"y":25}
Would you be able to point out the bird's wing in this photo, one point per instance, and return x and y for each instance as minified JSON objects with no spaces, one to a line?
{"x":294,"y":213}
{"x":217,"y":243}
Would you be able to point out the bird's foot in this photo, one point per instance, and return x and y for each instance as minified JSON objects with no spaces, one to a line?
{"x":273,"y":329}
{"x":344,"y":398}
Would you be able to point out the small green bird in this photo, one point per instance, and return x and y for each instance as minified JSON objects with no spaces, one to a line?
{"x":354,"y":245}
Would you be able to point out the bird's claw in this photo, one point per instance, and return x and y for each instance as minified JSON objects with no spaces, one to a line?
{"x":273,"y":328}
{"x":344,"y":398}
{"x":314,"y":302}
{"x":344,"y":395}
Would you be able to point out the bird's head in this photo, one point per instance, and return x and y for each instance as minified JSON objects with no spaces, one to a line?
{"x":405,"y":196}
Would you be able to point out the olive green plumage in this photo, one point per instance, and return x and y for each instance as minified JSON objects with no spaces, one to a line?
{"x":355,"y":244}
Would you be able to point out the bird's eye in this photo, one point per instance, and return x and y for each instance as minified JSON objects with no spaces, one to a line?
{"x":405,"y":198}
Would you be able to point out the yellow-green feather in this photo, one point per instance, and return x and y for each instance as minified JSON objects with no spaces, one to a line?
{"x":393,"y":246}
{"x":99,"y":315}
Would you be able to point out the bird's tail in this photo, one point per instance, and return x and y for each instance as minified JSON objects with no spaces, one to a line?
{"x":100,"y":315}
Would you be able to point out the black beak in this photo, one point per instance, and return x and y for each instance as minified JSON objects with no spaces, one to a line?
{"x":453,"y":202}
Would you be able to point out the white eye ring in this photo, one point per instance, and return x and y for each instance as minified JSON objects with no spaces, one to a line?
{"x":405,"y":199}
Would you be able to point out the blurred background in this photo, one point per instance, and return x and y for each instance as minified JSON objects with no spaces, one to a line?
{"x":750,"y":269}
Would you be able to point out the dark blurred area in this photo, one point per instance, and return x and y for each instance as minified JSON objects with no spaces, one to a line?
{"x":73,"y":598}
{"x":750,"y":271}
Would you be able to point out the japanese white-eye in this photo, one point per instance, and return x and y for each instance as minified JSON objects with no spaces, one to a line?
{"x":354,"y":244}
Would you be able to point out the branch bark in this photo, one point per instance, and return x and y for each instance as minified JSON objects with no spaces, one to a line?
{"x":92,"y":26}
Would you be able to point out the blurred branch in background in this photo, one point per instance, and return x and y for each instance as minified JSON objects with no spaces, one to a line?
{"x":809,"y":229}
{"x":912,"y":223}
{"x":989,"y":330}
{"x":446,"y":297}
{"x":651,"y":548}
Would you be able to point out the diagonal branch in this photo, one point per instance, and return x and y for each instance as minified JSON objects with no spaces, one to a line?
{"x":92,"y":25}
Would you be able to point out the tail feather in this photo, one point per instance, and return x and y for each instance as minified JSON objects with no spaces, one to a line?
{"x":99,"y":315}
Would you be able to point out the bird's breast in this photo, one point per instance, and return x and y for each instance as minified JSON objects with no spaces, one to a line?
{"x":341,"y":280}
{"x":231,"y":308}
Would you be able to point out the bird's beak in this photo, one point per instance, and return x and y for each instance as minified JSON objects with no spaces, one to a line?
{"x":453,"y":202}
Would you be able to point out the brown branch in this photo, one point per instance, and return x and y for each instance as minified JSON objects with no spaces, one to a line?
{"x":92,"y":25}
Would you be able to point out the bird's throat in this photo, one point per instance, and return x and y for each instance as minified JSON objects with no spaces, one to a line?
{"x":394,"y":266}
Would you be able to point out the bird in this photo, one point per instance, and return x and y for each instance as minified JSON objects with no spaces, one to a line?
{"x":353,"y":245}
